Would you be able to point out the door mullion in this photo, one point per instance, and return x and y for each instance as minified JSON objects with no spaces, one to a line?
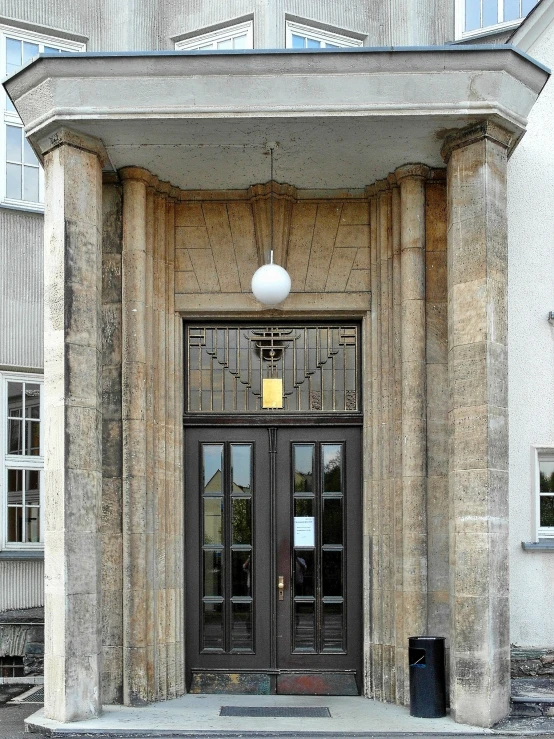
{"x":272,"y":432}
{"x":227,"y":544}
{"x":318,"y":490}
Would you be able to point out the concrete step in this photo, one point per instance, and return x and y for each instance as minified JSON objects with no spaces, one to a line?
{"x":532,"y":696}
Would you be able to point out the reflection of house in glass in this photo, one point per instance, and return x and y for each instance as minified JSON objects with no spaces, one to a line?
{"x":214,"y":485}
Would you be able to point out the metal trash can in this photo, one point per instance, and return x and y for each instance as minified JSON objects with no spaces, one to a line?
{"x":427,"y":676}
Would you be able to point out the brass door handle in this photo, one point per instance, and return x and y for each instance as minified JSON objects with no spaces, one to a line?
{"x":281,"y":587}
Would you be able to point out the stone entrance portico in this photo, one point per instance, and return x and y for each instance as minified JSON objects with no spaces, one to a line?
{"x":176,"y":226}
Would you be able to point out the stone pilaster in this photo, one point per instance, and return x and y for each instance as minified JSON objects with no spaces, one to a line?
{"x":478,"y":423}
{"x":411,"y":179}
{"x":112,"y":450}
{"x":73,"y":426}
{"x":134,"y":378}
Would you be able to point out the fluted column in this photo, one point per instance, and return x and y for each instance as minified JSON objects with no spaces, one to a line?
{"x":478,"y":422}
{"x":73,"y":426}
{"x":411,"y":179}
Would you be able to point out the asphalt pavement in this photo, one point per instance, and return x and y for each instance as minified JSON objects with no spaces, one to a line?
{"x":12,"y":718}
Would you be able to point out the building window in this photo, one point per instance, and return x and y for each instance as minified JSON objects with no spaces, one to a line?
{"x":299,"y":36}
{"x":22,"y":461}
{"x":238,"y":36}
{"x":544,"y":487}
{"x":477,"y":16}
{"x":21,"y":182}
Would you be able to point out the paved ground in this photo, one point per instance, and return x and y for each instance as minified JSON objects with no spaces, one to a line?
{"x":12,"y":727}
{"x":12,"y":718}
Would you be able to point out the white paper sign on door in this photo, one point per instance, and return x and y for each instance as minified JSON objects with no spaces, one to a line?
{"x":304,"y":531}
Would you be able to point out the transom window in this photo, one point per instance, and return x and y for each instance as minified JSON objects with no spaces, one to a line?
{"x":238,"y":36}
{"x":272,"y":368}
{"x":299,"y":36}
{"x":21,"y":183}
{"x":474,"y":16}
{"x":22,"y":461}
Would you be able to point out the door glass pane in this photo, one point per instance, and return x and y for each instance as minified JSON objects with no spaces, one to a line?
{"x":303,"y":468}
{"x":331,"y":573}
{"x":213,"y":561}
{"x":242,"y":521}
{"x":332,"y":521}
{"x":304,"y":581}
{"x":304,"y":627}
{"x":212,"y":626}
{"x":331,"y":459}
{"x":212,"y":467}
{"x":241,"y":627}
{"x":213,"y":520}
{"x":241,"y":568}
{"x":332,"y":627}
{"x":303,"y":507}
{"x":241,"y":468}
{"x":547,"y":510}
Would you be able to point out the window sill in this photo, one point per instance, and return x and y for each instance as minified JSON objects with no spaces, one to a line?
{"x":542,"y":545}
{"x":21,"y":554}
{"x":26,"y":207}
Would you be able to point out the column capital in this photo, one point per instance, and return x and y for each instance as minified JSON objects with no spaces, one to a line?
{"x":420,"y":171}
{"x":393,"y":181}
{"x":477,"y":132}
{"x":137,"y":174}
{"x":66,"y":137}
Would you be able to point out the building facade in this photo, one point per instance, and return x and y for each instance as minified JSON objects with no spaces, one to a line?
{"x":276,"y":498}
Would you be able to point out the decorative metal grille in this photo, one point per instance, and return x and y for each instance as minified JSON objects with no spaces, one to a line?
{"x":318,"y":365}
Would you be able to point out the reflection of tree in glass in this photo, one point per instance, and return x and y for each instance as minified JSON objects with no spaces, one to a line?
{"x":547,"y":482}
{"x":241,"y":521}
{"x":331,"y":474}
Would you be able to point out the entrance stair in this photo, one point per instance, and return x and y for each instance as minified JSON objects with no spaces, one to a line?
{"x":532,"y":696}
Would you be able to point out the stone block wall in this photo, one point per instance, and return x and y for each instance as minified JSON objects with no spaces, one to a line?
{"x":22,"y":635}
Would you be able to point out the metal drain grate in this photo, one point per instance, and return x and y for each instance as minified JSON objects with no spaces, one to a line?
{"x":34,"y":695}
{"x":276,"y":711}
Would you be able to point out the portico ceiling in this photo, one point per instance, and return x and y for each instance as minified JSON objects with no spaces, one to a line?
{"x":342,"y":119}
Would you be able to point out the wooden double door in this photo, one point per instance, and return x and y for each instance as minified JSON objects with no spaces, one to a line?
{"x":273,"y":559}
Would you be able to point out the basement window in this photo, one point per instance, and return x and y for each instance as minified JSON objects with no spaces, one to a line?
{"x":11,"y":667}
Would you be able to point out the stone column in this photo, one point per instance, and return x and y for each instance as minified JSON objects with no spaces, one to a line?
{"x":73,"y":426}
{"x":411,"y":179}
{"x":478,"y":423}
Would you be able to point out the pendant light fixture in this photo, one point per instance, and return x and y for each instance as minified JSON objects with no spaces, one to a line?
{"x":271,"y":283}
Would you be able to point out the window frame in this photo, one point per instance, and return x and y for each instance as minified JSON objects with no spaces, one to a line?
{"x":10,"y":118}
{"x":461,"y":33}
{"x":221,"y":34}
{"x":538,"y":454}
{"x":318,"y":34}
{"x":19,"y":461}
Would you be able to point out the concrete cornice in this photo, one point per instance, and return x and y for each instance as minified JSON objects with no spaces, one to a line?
{"x":202,"y":120}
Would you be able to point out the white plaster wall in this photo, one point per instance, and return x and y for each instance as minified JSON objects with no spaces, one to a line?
{"x":531,"y":354}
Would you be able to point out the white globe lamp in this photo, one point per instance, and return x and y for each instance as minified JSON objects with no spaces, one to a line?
{"x":271,"y":284}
